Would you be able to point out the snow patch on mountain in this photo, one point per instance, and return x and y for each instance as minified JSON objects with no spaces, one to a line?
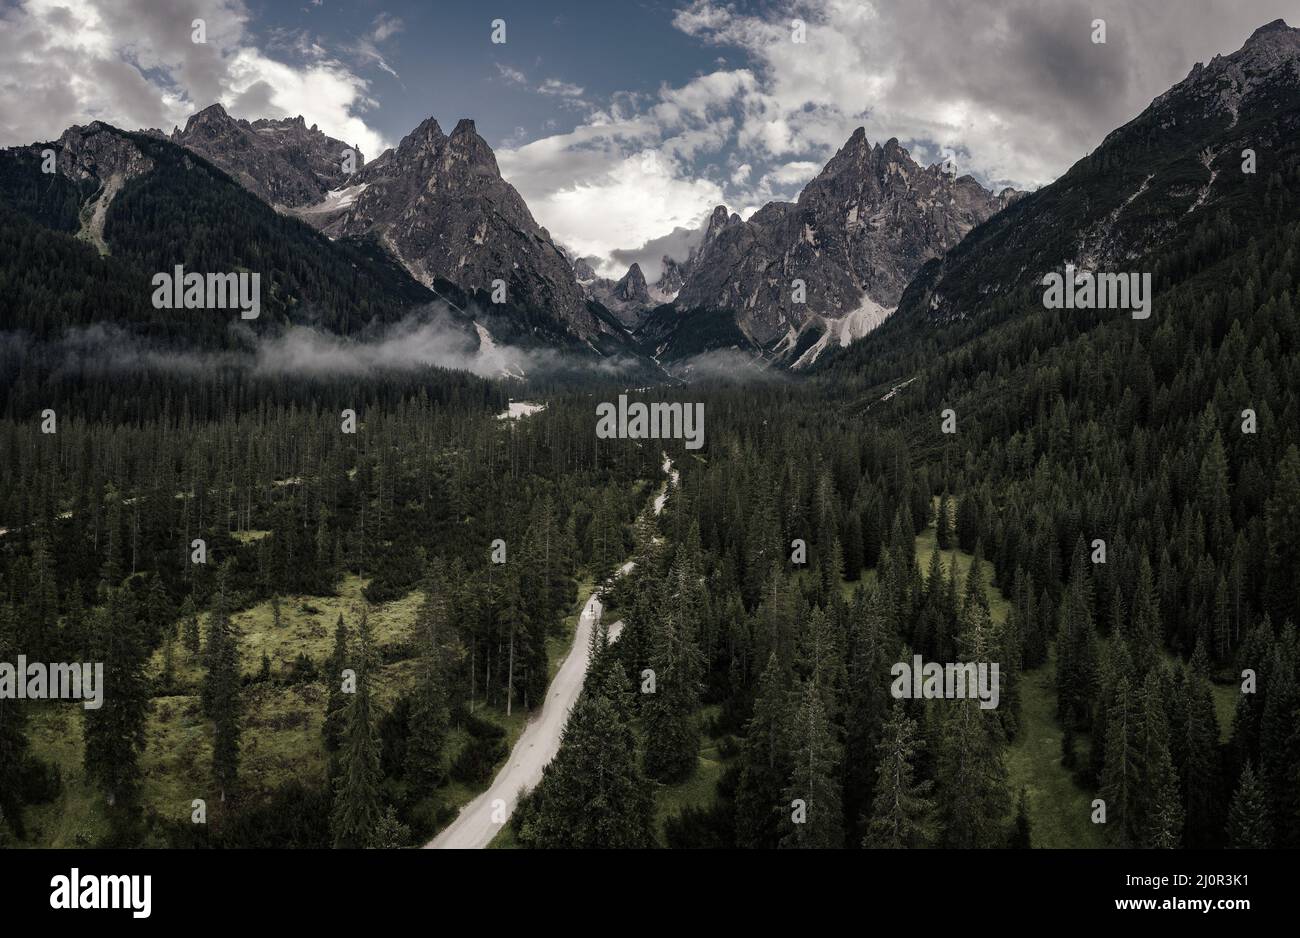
{"x":336,"y":200}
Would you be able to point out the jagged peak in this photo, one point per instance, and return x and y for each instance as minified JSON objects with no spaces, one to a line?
{"x":464,"y":126}
{"x":1270,"y":41}
{"x":1277,"y":26}
{"x":212,"y":115}
{"x":718,"y":220}
{"x":427,"y":134}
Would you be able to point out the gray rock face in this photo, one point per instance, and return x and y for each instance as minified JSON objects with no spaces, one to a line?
{"x":101,"y":154}
{"x":632,"y":287}
{"x":436,"y":202}
{"x":283,"y":162}
{"x":673,"y":277}
{"x":439,"y":204}
{"x":861,"y":229}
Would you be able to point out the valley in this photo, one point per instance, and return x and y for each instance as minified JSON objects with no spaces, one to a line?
{"x":394,"y":520}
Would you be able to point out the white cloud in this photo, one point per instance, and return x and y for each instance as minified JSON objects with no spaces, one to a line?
{"x":631,"y":173}
{"x":512,"y":76}
{"x":554,"y":86}
{"x":615,"y":196}
{"x":65,"y":62}
{"x":1016,"y":86}
{"x":384,"y":28}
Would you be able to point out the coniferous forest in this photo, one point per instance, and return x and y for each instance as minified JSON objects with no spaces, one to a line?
{"x":350,"y":586}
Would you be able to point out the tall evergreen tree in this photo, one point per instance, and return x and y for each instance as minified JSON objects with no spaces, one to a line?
{"x":1249,"y":826}
{"x":115,"y":732}
{"x":593,"y":794}
{"x":358,"y":807}
{"x":901,"y":812}
{"x":814,"y":783}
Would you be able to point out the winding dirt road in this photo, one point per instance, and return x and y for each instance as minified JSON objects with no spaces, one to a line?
{"x":481,"y":819}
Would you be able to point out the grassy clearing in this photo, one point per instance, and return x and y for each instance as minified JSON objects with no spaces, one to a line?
{"x":1059,"y":810}
{"x":701,"y":788}
{"x":1225,"y":706}
{"x":282,"y":724}
{"x":306,"y":627}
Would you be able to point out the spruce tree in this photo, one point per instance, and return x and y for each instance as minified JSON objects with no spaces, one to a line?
{"x":1021,"y":834}
{"x":765,"y":763}
{"x":593,"y":794}
{"x":190,"y":626}
{"x":1249,"y":827}
{"x":115,"y":733}
{"x":943,"y":523}
{"x":901,"y":812}
{"x":336,"y":702}
{"x":358,"y":807}
{"x":972,"y":780}
{"x":13,"y":737}
{"x":814,"y":781}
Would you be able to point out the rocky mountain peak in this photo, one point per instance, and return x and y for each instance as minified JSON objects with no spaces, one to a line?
{"x":719,"y":221}
{"x":859,"y":231}
{"x":465,"y":143}
{"x":673,"y":276}
{"x":632,"y":288}
{"x":102,"y":152}
{"x":281,"y":161}
{"x":212,"y":118}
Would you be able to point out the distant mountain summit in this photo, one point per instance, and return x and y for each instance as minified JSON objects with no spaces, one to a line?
{"x":436,"y":203}
{"x":848,"y":247}
{"x":284,"y":162}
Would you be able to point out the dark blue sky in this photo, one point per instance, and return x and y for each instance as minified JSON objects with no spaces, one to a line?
{"x":447,"y":66}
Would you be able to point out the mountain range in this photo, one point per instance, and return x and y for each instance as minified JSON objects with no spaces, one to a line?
{"x":874,"y":231}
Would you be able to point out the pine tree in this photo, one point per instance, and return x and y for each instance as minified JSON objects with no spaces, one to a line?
{"x":115,"y":733}
{"x":943,"y":523}
{"x":593,"y":794}
{"x":357,"y":804}
{"x":814,"y":775}
{"x":220,"y":692}
{"x":1249,"y":826}
{"x":190,"y":626}
{"x":1282,"y":523}
{"x":671,"y":735}
{"x":430,"y":717}
{"x":337,"y":701}
{"x":1199,"y":763}
{"x":900,"y":812}
{"x":13,"y":737}
{"x":1021,"y":834}
{"x":1159,"y":820}
{"x":972,"y":779}
{"x":765,"y":763}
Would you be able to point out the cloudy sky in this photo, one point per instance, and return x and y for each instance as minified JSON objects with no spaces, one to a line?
{"x":622,"y":122}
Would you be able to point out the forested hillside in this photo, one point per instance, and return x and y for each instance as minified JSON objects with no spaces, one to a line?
{"x":330,"y":597}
